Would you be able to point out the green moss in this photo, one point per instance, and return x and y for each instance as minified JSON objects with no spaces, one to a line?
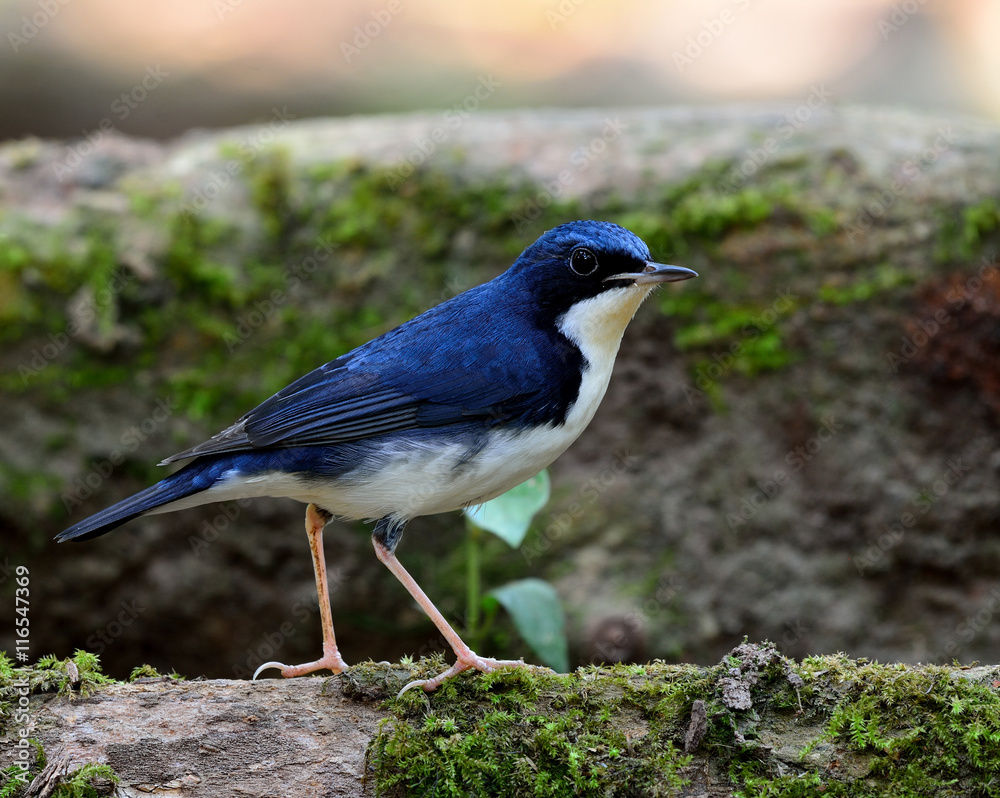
{"x":21,"y":486}
{"x":521,"y":732}
{"x":89,"y":781}
{"x":77,"y":675}
{"x":149,"y":672}
{"x":694,"y":215}
{"x":928,"y":732}
{"x":963,"y":236}
{"x":270,"y":180}
{"x":861,"y":728}
{"x":874,"y":282}
{"x":39,"y":269}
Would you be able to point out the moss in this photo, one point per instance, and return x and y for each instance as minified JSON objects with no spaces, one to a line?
{"x":521,"y":732}
{"x":694,"y":214}
{"x":21,"y":485}
{"x":846,"y":728}
{"x":149,"y":672}
{"x":727,"y":328}
{"x":929,"y":733}
{"x":89,"y":781}
{"x":881,"y":278}
{"x":77,"y":675}
{"x":963,"y":235}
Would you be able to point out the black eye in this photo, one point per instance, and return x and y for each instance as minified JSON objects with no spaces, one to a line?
{"x":583,"y":262}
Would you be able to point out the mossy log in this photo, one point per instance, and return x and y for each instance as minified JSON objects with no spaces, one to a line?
{"x":756,"y":724}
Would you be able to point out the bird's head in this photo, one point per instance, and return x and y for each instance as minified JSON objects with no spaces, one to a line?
{"x":592,"y":276}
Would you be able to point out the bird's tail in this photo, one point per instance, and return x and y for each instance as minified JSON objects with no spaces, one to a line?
{"x":195,"y":477}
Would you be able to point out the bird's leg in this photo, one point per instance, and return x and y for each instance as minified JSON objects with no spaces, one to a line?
{"x":385,"y":537}
{"x":316,"y":519}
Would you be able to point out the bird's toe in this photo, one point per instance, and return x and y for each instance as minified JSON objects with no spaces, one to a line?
{"x":265,"y":666}
{"x":470,"y":661}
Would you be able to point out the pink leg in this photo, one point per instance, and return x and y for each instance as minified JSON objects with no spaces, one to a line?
{"x":316,"y":520}
{"x":466,"y":658}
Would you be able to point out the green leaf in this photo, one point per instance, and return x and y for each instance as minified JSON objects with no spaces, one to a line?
{"x":508,"y":516}
{"x":535,"y":609}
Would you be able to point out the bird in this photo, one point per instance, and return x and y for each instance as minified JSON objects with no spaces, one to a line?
{"x":449,"y":410}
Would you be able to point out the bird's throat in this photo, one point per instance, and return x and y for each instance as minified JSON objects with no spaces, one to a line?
{"x":596,"y":325}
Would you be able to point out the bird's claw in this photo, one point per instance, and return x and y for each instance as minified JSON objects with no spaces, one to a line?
{"x":279,"y":665}
{"x":331,"y":660}
{"x":464,"y":663}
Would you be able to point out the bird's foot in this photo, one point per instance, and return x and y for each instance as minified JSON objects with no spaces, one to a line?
{"x":331,"y":660}
{"x":465,"y":661}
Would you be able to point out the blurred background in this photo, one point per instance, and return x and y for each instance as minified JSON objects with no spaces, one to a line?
{"x":671,"y":560}
{"x":157,"y":70}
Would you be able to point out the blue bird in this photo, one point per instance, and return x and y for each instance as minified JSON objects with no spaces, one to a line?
{"x":448,"y":410}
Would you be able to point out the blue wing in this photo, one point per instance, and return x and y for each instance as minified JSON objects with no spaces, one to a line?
{"x":459,"y":363}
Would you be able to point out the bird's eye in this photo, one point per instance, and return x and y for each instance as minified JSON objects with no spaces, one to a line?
{"x":583,"y":262}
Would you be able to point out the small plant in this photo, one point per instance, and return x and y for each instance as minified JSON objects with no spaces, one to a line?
{"x":532,"y":604}
{"x":81,"y":783}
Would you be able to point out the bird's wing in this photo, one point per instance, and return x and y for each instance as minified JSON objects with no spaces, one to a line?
{"x":348,"y":400}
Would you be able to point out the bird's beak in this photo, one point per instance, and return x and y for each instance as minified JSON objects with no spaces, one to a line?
{"x":656,"y":273}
